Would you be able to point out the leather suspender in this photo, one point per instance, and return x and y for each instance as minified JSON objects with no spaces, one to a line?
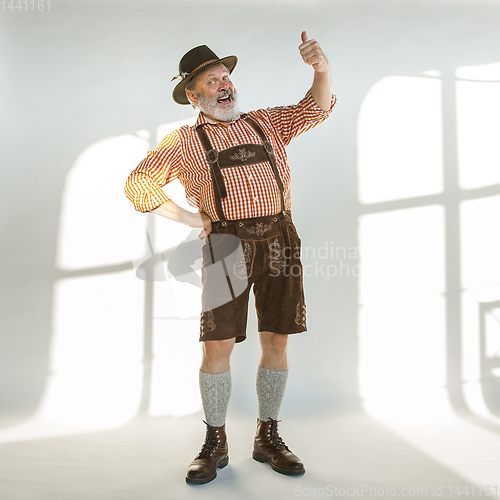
{"x":218,"y":185}
{"x":270,"y":154}
{"x":212,"y":157}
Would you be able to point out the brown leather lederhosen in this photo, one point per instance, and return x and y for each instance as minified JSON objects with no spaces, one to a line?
{"x":273,"y":231}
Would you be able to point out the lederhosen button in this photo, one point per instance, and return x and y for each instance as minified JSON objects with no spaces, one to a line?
{"x":268,"y":147}
{"x":212,"y":156}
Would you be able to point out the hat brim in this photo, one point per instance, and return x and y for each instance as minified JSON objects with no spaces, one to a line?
{"x":179,"y":93}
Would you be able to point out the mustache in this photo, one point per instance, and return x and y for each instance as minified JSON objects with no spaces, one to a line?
{"x":227,"y":92}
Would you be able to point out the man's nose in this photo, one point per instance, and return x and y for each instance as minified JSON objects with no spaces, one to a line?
{"x":224,"y":86}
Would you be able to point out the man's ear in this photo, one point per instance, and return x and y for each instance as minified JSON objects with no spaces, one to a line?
{"x":192,"y":96}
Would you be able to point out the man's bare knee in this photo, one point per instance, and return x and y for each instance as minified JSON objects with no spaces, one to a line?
{"x":276,"y":342}
{"x":216,"y":355}
{"x":274,"y":353}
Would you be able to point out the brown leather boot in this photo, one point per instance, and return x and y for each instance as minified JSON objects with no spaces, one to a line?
{"x":269,"y":447}
{"x":213,"y":456}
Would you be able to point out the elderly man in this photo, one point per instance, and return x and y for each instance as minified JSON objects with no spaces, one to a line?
{"x":235,"y":171}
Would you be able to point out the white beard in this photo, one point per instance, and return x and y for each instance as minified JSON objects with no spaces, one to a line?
{"x":212,"y":109}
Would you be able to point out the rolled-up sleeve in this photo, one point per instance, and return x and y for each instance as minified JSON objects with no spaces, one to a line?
{"x":291,"y":121}
{"x":161,"y":166}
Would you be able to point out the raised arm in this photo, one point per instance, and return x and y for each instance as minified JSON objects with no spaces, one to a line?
{"x":312,"y":54}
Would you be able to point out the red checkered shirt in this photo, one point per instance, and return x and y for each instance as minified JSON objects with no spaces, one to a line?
{"x":251,"y":190}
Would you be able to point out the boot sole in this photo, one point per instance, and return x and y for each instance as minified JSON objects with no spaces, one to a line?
{"x":205,"y":480}
{"x":286,"y":472}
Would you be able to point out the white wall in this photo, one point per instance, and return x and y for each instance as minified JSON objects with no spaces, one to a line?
{"x":391,"y":184}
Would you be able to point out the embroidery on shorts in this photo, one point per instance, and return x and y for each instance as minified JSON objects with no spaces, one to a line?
{"x":300,"y":314}
{"x":240,"y":268}
{"x":207,"y":322}
{"x":277,"y":257}
{"x":259,"y":229}
{"x":242,"y":155}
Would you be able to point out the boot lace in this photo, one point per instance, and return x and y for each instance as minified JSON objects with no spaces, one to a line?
{"x":274,"y":437}
{"x":211,"y":441}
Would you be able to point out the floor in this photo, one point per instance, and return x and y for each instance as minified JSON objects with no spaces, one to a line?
{"x":346,"y":455}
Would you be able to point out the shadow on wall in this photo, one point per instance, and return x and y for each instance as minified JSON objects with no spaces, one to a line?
{"x":420,"y":121}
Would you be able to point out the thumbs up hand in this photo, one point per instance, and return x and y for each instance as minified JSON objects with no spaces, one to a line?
{"x":313,"y":55}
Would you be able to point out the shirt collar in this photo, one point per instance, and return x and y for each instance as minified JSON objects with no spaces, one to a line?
{"x":202,"y":120}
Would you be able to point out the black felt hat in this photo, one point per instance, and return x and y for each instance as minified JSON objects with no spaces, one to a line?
{"x":193,"y":63}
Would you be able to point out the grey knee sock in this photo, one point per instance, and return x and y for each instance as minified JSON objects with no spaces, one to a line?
{"x":271,"y":385}
{"x":215,"y":391}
